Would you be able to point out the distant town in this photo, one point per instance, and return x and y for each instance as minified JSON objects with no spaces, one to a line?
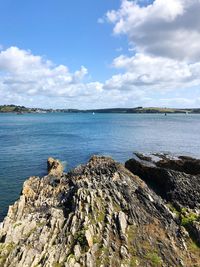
{"x":22,"y":109}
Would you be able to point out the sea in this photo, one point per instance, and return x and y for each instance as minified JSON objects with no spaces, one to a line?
{"x":26,"y":141}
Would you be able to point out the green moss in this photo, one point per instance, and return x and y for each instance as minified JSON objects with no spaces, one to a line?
{"x":71,"y":256}
{"x":173,"y":209}
{"x":56,"y":264}
{"x":183,"y":210}
{"x":2,"y":260}
{"x":16,"y":225}
{"x":1,"y":247}
{"x":80,"y":237}
{"x":188,"y":219}
{"x":131,"y":234}
{"x":154,"y":258}
{"x":31,"y":232}
{"x":98,"y":258}
{"x":41,"y":224}
{"x":106,"y":261}
{"x":5,"y":250}
{"x":100,"y":216}
{"x":194,"y":247}
{"x":100,"y":213}
{"x":96,"y":239}
{"x":132,"y":251}
{"x":116,"y":207}
{"x":102,"y":257}
{"x":132,"y":262}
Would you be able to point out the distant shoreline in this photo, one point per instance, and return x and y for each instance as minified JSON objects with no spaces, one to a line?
{"x":138,"y":110}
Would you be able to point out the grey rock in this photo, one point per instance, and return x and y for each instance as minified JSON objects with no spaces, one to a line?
{"x":122,"y":221}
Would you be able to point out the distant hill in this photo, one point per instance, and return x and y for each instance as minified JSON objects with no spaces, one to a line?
{"x":144,"y":110}
{"x":13,"y":108}
{"x":22,"y":109}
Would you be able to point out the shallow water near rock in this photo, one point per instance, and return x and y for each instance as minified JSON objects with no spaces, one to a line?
{"x":27,"y":141}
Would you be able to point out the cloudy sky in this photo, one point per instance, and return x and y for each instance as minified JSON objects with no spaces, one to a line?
{"x":99,"y":54}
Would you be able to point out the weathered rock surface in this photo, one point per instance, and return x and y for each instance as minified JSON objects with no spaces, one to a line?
{"x":54,"y":167}
{"x":176,"y":179}
{"x":99,"y":214}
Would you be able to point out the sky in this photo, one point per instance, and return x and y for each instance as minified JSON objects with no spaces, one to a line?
{"x":100,"y":54}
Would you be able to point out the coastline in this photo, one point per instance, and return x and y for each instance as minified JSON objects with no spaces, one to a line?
{"x":137,"y":110}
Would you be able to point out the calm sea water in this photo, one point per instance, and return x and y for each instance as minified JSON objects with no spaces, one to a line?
{"x":27,"y":141}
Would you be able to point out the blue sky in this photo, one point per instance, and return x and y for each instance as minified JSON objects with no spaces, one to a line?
{"x":66,"y":32}
{"x":108,"y":53}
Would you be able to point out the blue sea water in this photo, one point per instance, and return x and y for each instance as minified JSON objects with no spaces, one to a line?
{"x":27,"y":141}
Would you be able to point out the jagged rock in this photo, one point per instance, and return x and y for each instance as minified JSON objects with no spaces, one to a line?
{"x":89,"y":237}
{"x":176,"y":179}
{"x":182,"y":164}
{"x":122,"y":221}
{"x":195,"y":230}
{"x":77,"y":252}
{"x":54,"y":167}
{"x":99,"y":214}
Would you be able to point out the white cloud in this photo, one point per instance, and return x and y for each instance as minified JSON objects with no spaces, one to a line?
{"x":152,"y":72}
{"x":164,"y":28}
{"x":33,"y":81}
{"x":25,"y":75}
{"x":30,"y":80}
{"x":18,"y":61}
{"x":164,"y":39}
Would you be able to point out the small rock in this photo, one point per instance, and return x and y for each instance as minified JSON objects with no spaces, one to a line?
{"x":122,"y":221}
{"x":77,"y":252}
{"x":123,"y":252}
{"x":54,"y":167}
{"x":89,"y":237}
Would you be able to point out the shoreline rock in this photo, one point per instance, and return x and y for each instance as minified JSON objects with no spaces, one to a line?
{"x":54,"y":167}
{"x":99,"y":214}
{"x":176,"y":179}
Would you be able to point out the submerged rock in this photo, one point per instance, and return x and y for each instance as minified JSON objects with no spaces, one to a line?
{"x":99,"y":214}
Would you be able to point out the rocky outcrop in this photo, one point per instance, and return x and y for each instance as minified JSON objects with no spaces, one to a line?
{"x":54,"y":167}
{"x":176,"y":179}
{"x":99,"y":214}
